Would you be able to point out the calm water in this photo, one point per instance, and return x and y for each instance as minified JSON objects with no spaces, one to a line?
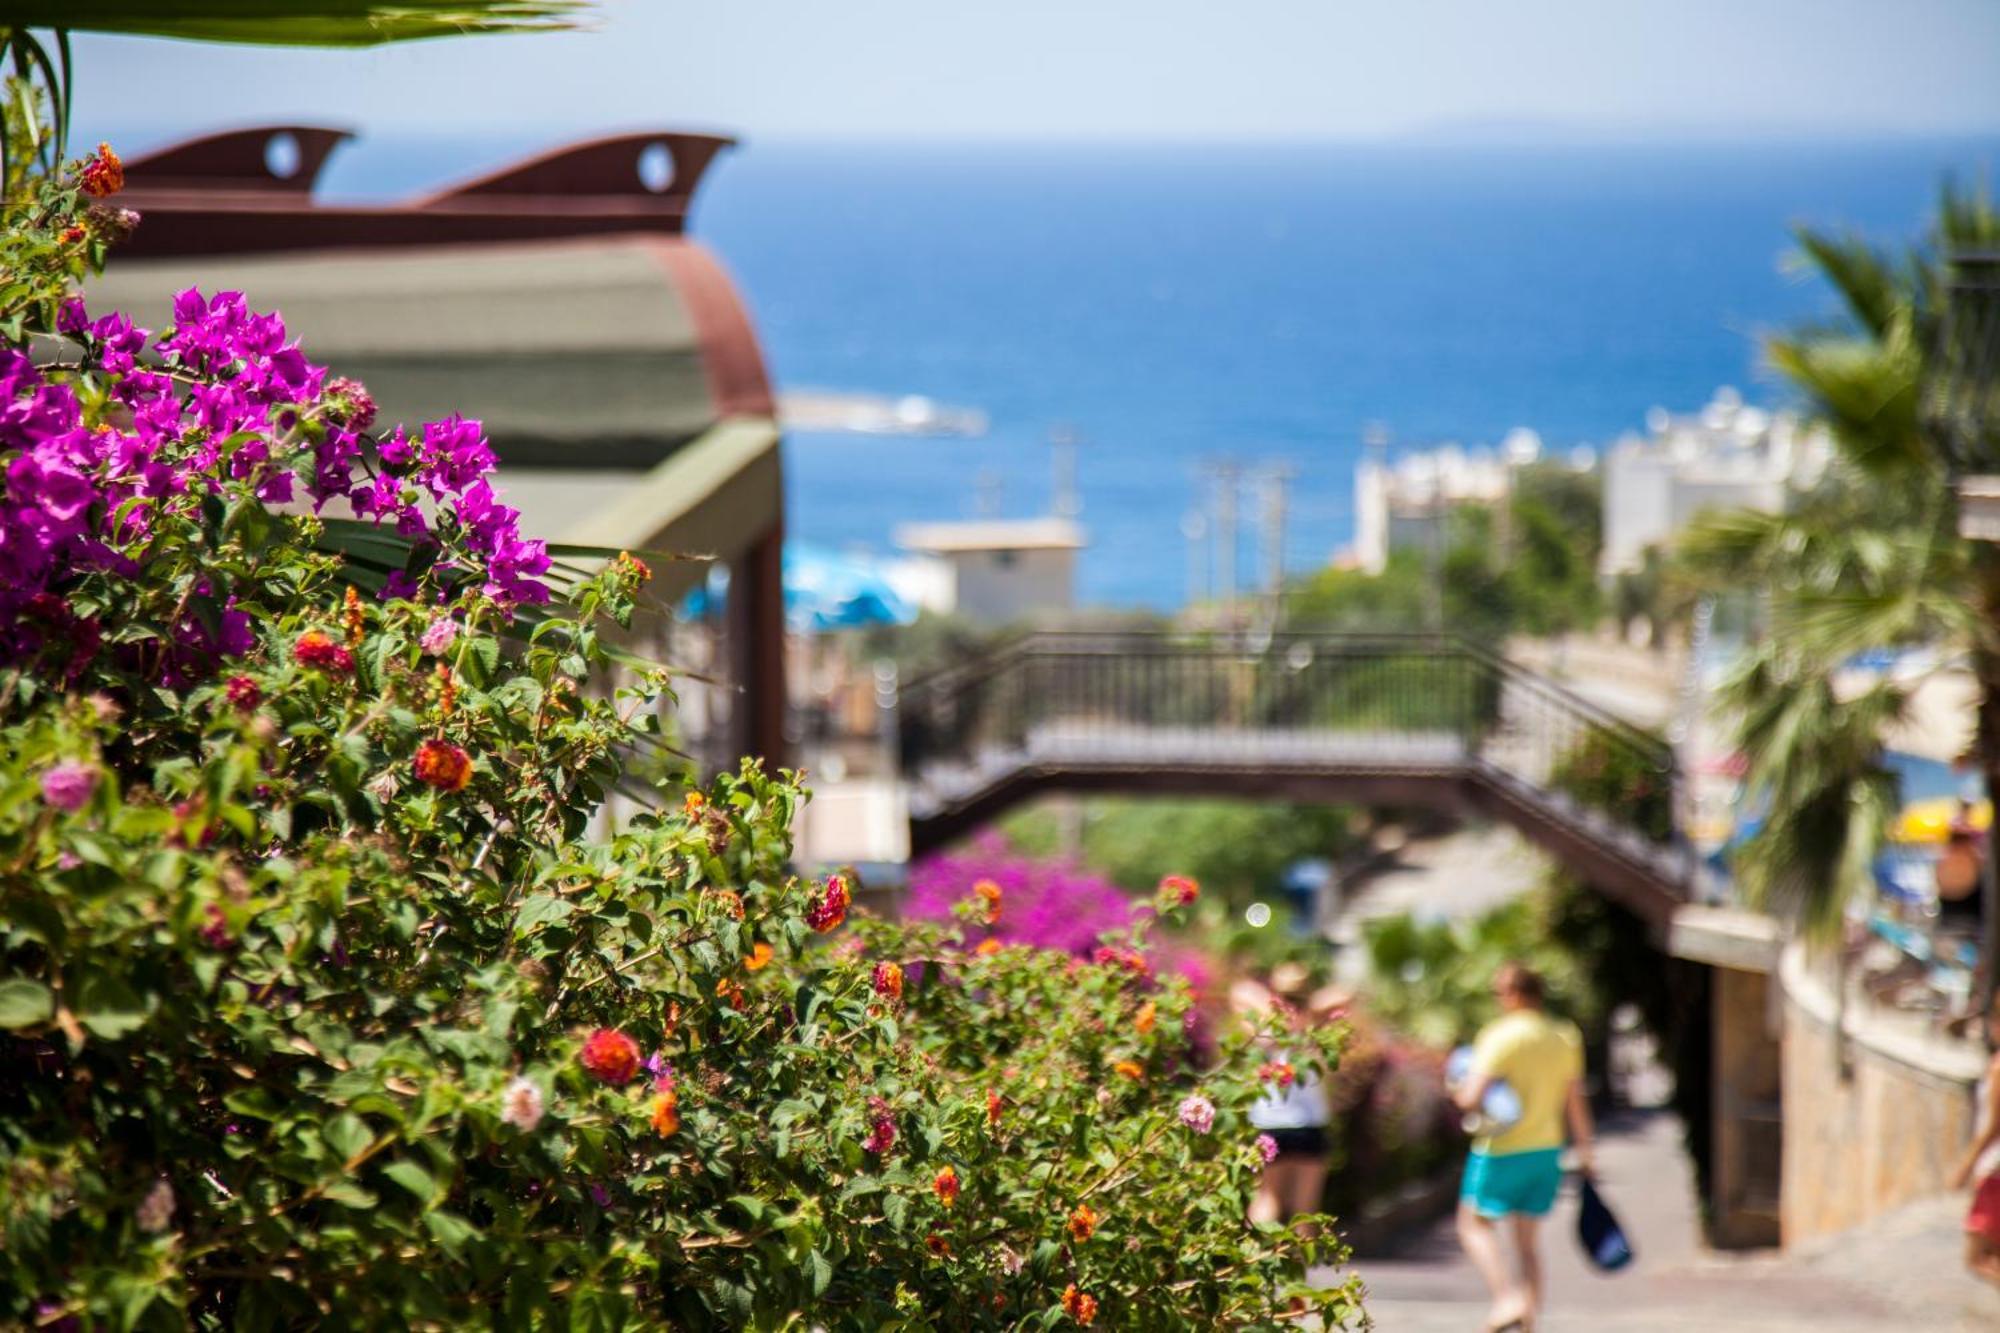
{"x":1175,"y":304}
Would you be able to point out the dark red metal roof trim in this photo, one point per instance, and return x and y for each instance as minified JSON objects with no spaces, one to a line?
{"x":220,"y":195}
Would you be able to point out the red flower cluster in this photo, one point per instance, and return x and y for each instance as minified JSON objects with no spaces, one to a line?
{"x":830,"y":908}
{"x":214,"y":929}
{"x":1079,"y":1305}
{"x":609,"y":1056}
{"x":243,"y":692}
{"x":945,"y":1186}
{"x":881,"y":1127}
{"x":993,"y":1107}
{"x":316,"y":649}
{"x":1278,"y":1072}
{"x":103,"y":174}
{"x":888,"y":982}
{"x":1133,"y":961}
{"x":1083,"y":1222}
{"x":443,"y":765}
{"x":1179,"y":891}
{"x":666,"y":1117}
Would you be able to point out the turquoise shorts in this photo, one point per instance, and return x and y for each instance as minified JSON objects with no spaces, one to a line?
{"x":1504,"y":1184}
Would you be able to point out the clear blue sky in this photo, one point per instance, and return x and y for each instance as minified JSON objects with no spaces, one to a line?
{"x":1158,"y":69}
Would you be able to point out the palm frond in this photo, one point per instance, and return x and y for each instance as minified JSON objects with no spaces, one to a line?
{"x":1871,"y":284}
{"x":299,"y":22}
{"x":1867,"y":392}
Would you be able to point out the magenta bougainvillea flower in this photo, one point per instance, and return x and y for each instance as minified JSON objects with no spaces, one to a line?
{"x":81,"y":497}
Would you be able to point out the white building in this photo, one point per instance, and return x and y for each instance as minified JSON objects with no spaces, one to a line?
{"x":1405,"y":504}
{"x":1000,"y":570}
{"x":1727,"y":456}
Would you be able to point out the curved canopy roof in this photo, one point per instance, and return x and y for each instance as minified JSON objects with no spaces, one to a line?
{"x":557,"y":300}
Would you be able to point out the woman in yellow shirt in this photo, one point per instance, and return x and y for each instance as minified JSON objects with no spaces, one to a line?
{"x":1516,"y":1169}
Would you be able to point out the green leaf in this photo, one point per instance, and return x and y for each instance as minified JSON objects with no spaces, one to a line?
{"x":821,"y":1271}
{"x":350,"y":1195}
{"x":108,"y":1006}
{"x":539,"y":909}
{"x":25,"y":1002}
{"x":412,"y":1178}
{"x":301,"y":22}
{"x":347,"y":1134}
{"x":450,"y":1230}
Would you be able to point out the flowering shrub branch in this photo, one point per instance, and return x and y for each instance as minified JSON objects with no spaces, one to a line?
{"x":321,"y":1005}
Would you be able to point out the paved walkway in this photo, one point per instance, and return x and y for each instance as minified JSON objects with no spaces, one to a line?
{"x":1902,"y":1273}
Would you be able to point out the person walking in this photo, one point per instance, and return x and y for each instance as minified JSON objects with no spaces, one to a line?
{"x":1293,"y":1112}
{"x":1981,"y":1168}
{"x":1515,"y":1169}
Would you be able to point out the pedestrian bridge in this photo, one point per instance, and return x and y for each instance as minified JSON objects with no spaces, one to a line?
{"x":1386,"y":720}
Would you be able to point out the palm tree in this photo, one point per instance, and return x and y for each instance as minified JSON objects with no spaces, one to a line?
{"x":1871,"y":559}
{"x":38,"y":69}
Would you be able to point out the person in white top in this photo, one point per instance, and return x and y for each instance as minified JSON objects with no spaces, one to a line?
{"x":1293,"y":1112}
{"x":1981,"y":1168}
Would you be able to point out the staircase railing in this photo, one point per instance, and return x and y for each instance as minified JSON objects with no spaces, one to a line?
{"x":1285,"y":698}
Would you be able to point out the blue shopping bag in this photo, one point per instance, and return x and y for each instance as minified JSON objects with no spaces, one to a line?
{"x":1603,"y":1240}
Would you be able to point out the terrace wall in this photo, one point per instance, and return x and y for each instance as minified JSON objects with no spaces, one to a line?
{"x":1877,"y":1109}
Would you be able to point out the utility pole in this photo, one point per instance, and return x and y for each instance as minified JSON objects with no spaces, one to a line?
{"x":1067,"y":500}
{"x":1226,"y":474}
{"x":1194,"y":526}
{"x":1273,"y":480}
{"x":986,"y":486}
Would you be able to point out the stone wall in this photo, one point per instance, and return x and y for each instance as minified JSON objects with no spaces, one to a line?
{"x":1871,"y":1122}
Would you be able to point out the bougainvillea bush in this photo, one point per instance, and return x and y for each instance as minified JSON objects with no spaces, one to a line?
{"x":323,"y":1006}
{"x":1051,"y":904}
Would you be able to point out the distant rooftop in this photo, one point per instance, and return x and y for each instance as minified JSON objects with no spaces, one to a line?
{"x":992,"y":534}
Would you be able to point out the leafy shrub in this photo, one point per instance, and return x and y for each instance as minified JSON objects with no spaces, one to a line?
{"x":1607,"y":773}
{"x":1393,"y":1122}
{"x":321,"y":1007}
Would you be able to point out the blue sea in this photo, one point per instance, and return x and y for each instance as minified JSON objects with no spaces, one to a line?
{"x":1171,"y":305}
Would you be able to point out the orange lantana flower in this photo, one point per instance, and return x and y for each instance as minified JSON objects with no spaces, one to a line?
{"x":1079,"y":1305}
{"x":666,"y":1115}
{"x":1083,"y":1222}
{"x":946,"y":1186}
{"x":1143,"y":1021}
{"x":1130,"y":1069}
{"x":989,"y":893}
{"x":760,"y":955}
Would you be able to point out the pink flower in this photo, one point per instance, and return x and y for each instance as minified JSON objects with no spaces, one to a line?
{"x":521,"y":1105}
{"x":1198,"y":1113}
{"x":243,"y":693}
{"x":214,"y":928}
{"x":1267,"y":1148}
{"x":829,"y":909}
{"x":881,"y":1127}
{"x":156,"y":1210}
{"x":68,"y":785}
{"x":439,"y":635}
